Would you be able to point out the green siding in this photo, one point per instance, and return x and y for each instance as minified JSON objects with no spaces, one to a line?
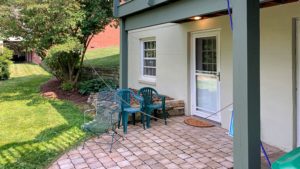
{"x":123,"y":55}
{"x":246,"y":84}
{"x":137,"y":6}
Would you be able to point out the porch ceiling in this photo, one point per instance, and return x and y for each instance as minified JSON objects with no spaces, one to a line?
{"x":176,"y":11}
{"x":140,"y":14}
{"x":133,"y":6}
{"x":264,"y":4}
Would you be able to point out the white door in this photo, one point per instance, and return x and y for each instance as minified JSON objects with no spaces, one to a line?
{"x":298,"y":78}
{"x":205,"y":75}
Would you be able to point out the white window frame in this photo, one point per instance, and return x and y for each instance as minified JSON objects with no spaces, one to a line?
{"x":147,"y":78}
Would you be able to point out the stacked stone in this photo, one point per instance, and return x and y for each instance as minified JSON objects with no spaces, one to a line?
{"x":173,"y":107}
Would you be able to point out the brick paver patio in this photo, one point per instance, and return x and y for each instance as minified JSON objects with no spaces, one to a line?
{"x":176,"y":145}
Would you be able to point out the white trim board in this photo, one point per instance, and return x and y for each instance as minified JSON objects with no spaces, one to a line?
{"x":298,"y":78}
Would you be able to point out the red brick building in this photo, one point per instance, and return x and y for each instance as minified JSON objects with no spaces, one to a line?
{"x":109,"y":38}
{"x":32,"y":57}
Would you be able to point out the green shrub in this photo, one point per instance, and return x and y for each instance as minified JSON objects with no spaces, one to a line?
{"x":95,"y":85}
{"x":67,"y":86}
{"x":5,"y":56}
{"x":63,"y":60}
{"x":4,"y":70}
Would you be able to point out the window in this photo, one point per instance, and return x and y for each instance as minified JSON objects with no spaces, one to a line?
{"x":206,"y":54}
{"x":149,"y":59}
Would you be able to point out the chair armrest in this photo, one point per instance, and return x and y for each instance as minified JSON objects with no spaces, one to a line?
{"x":162,"y":98}
{"x":140,"y":99}
{"x":85,"y":112}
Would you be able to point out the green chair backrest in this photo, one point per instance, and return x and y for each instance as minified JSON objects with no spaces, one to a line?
{"x":148,"y":94}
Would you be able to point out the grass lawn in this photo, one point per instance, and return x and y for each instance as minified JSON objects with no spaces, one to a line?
{"x":103,"y":58}
{"x":34,"y":130}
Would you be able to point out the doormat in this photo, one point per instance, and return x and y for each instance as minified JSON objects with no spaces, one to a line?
{"x":197,"y":122}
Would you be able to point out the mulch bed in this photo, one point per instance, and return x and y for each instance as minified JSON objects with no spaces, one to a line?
{"x":51,"y":89}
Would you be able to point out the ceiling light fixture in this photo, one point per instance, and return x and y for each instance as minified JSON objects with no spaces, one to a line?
{"x":197,"y":18}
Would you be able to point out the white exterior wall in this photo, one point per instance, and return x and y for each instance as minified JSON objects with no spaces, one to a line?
{"x":172,"y":75}
{"x":173,"y":69}
{"x":277,"y":107}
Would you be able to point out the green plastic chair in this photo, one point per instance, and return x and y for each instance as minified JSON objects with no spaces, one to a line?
{"x":124,"y":98}
{"x":149,"y":94}
{"x":290,"y":160}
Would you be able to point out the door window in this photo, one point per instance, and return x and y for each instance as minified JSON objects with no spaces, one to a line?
{"x":206,"y":55}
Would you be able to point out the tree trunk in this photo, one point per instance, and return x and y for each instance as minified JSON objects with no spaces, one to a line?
{"x":86,"y":45}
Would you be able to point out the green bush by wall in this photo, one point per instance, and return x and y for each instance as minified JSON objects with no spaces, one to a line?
{"x":95,"y":85}
{"x":5,"y":56}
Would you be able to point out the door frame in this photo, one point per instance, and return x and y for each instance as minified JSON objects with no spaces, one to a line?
{"x":296,"y":33}
{"x":203,"y":34}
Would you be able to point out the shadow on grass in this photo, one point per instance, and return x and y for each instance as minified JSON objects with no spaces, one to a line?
{"x":49,"y":143}
{"x":20,"y":88}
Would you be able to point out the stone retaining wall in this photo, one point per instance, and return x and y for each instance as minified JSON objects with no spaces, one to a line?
{"x":173,"y":107}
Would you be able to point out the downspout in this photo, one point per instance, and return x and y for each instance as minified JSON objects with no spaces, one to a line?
{"x":230,"y":14}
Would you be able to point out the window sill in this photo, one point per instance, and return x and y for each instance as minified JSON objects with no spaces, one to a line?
{"x":151,"y":82}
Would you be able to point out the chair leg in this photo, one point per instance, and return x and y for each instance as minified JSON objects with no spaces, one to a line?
{"x":142,"y":120}
{"x":125,"y":122}
{"x":84,"y":143}
{"x":133,"y":118}
{"x":112,"y":141}
{"x":155,"y":114}
{"x":119,"y":119}
{"x":148,"y":118}
{"x":165,"y":115}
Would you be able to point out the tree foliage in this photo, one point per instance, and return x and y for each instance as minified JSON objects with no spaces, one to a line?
{"x":5,"y":54}
{"x":45,"y":23}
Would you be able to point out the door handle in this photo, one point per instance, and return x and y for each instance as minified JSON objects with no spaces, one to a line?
{"x":219,"y":76}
